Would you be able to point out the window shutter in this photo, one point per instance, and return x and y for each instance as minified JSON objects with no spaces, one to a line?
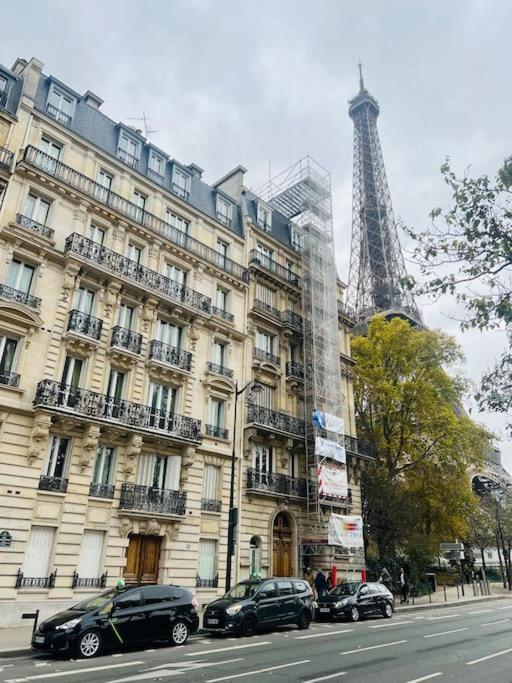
{"x":207,"y":566}
{"x":211,"y":477}
{"x":39,"y":551}
{"x":91,"y":552}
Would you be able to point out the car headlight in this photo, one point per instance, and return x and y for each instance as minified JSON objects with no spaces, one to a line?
{"x":68,"y":624}
{"x":341,"y":603}
{"x":234,"y":609}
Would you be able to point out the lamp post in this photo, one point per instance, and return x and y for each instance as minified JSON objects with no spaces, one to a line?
{"x":256,"y":387}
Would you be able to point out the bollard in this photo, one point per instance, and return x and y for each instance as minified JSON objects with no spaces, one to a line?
{"x":444,"y":591}
{"x":32,"y":615}
{"x":429,"y":594}
{"x":473,"y":584}
{"x":457,"y":586}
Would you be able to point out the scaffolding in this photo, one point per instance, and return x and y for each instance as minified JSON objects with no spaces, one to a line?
{"x":302,"y":193}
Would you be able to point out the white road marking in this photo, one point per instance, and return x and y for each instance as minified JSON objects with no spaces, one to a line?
{"x":175,"y":669}
{"x":444,"y":616}
{"x":119,"y":654}
{"x":500,"y":621}
{"x":483,"y":659}
{"x":372,"y":647}
{"x":42,"y":664}
{"x":326,"y":678}
{"x":74,"y":672}
{"x":481,"y":611}
{"x":258,"y":671}
{"x":445,"y":633}
{"x":152,"y":650}
{"x":391,"y":623}
{"x":323,"y":635}
{"x":226,"y":649}
{"x":506,"y":607}
{"x":425,"y":678}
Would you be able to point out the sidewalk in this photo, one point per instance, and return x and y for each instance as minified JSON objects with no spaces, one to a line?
{"x":450,"y":597}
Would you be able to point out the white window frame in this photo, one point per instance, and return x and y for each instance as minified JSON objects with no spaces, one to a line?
{"x":295,"y":239}
{"x":153,"y":156}
{"x":16,"y":282}
{"x":54,"y":149}
{"x":159,"y":471}
{"x":126,"y":318}
{"x":130,"y":146}
{"x":82,"y":295}
{"x":211,"y":482}
{"x":219,"y":352}
{"x":221,"y":298}
{"x":53,"y":453}
{"x":265,"y":341}
{"x":174,"y":220}
{"x":264,"y":216}
{"x":41,"y":555}
{"x":208,"y":559}
{"x":134,"y":252}
{"x":35,"y":213}
{"x":224,"y":210}
{"x":263,"y":459}
{"x":96,"y":231}
{"x":169,"y":333}
{"x":217,"y":412}
{"x":91,"y":554}
{"x":104,"y":454}
{"x":181,"y":181}
{"x":57,"y":95}
{"x":176,"y":273}
{"x":3,"y":342}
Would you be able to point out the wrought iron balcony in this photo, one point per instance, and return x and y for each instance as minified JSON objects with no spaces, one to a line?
{"x":270,"y":266}
{"x":47,"y":483}
{"x":259,"y":305}
{"x":6,"y":157}
{"x":292,"y":320}
{"x":346,"y":311}
{"x":23,"y":581}
{"x":126,"y":339}
{"x":273,"y":419}
{"x":78,"y":181}
{"x":207,"y":583}
{"x":279,"y":484}
{"x":295,"y":370}
{"x":261,"y":354}
{"x":127,"y":158}
{"x":7,"y":292}
{"x":58,"y":115}
{"x":222,"y":313}
{"x":170,"y":354}
{"x":9,"y":379}
{"x":217,"y":432}
{"x":151,"y":499}
{"x":80,"y":582}
{"x":219,"y":369}
{"x":211,"y":505}
{"x":132,"y":271}
{"x":39,"y":228}
{"x":101,"y":490}
{"x":57,"y":396}
{"x":85,"y":324}
{"x":358,"y":447}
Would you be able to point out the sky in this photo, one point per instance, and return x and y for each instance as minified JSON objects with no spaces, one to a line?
{"x":262,"y":84}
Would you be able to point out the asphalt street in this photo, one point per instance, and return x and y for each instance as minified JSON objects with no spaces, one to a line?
{"x":465,"y":643}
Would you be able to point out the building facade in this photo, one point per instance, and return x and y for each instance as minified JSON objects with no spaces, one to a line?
{"x":134,"y":299}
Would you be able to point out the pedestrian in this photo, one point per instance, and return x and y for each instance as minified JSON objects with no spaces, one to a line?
{"x":321,"y":583}
{"x":308,"y":576}
{"x":404,"y":587}
{"x":385,"y":578}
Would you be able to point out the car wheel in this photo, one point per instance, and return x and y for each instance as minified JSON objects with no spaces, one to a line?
{"x":249,"y":626}
{"x":304,"y":620}
{"x":387,"y":611}
{"x":179,"y":633}
{"x":354,"y":614}
{"x":88,"y":644}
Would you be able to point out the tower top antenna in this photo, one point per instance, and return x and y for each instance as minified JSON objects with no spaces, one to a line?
{"x":361,"y":82}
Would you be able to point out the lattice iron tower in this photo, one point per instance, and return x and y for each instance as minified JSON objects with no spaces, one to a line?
{"x":377,"y":265}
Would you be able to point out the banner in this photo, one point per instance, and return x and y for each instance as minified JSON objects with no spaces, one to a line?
{"x":346,"y":530}
{"x":326,"y":448}
{"x":329,"y":422}
{"x":332,"y":481}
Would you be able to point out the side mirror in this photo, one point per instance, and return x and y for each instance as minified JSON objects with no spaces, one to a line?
{"x":262,"y":595}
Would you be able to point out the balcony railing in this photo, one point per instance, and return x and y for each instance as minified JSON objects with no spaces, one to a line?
{"x":292,"y":320}
{"x":261,"y":354}
{"x":267,"y":308}
{"x":81,"y":582}
{"x":222,"y":313}
{"x":29,"y":223}
{"x":126,"y":339}
{"x":9,"y":379}
{"x":58,"y":115}
{"x":216,"y":431}
{"x":125,"y":267}
{"x":219,"y":369}
{"x":273,"y":419}
{"x":346,"y":311}
{"x":102,"y":490}
{"x":7,"y":292}
{"x":47,"y":483}
{"x":271,"y":266}
{"x":150,"y":499}
{"x":170,"y":354}
{"x":85,"y":324}
{"x":211,"y":505}
{"x":127,"y":158}
{"x":295,"y":370}
{"x":207,"y":583}
{"x":23,"y":581}
{"x":358,"y":447}
{"x":280,"y":484}
{"x":54,"y":395}
{"x":6,"y":157}
{"x":344,"y":501}
{"x":180,"y":191}
{"x":89,"y":187}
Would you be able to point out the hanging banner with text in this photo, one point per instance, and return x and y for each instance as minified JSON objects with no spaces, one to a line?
{"x":329,"y":422}
{"x":346,"y":530}
{"x":325,"y":448}
{"x":332,"y":481}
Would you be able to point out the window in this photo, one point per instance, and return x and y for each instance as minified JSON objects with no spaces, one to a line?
{"x":180,"y":182}
{"x":97,"y":234}
{"x":162,"y":401}
{"x":266,"y":295}
{"x":39,"y":551}
{"x":255,"y":548}
{"x":264,"y":251}
{"x":156,"y":594}
{"x":128,"y":601}
{"x":269,"y":588}
{"x":294,"y":353}
{"x":104,"y":180}
{"x":116,"y":382}
{"x":219,"y":353}
{"x":170,"y":334}
{"x":217,"y":412}
{"x":295,"y":238}
{"x":178,"y":223}
{"x":134,"y":253}
{"x":20,"y":276}
{"x":128,"y":150}
{"x":489,"y":554}
{"x":3,"y":83}
{"x":301,"y":586}
{"x":222,"y":249}
{"x":156,"y":163}
{"x":84,"y":301}
{"x":72,"y":372}
{"x":211,"y":482}
{"x":52,"y":149}
{"x":91,"y":554}
{"x":60,"y":105}
{"x":139,"y":200}
{"x":262,"y":459}
{"x":157,"y":471}
{"x":57,"y":458}
{"x":126,"y":316}
{"x":293,"y":464}
{"x":175,"y":273}
{"x":224,"y":210}
{"x":8,"y":348}
{"x":285,"y":587}
{"x":264,"y":216}
{"x":265,"y":341}
{"x":36,"y":208}
{"x":221,"y":299}
{"x":104,"y":465}
{"x":265,"y":397}
{"x":207,"y":566}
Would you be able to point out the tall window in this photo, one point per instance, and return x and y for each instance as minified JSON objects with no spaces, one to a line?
{"x":104,"y":465}
{"x":96,"y":234}
{"x":20,"y":276}
{"x":126,"y":316}
{"x":207,"y":565}
{"x":221,"y":299}
{"x":162,"y":401}
{"x":219,"y":353}
{"x":264,"y":216}
{"x":265,"y":341}
{"x":264,"y":252}
{"x":3,"y":84}
{"x":161,"y":472}
{"x":217,"y":413}
{"x":222,"y":249}
{"x":56,"y":464}
{"x":211,"y":482}
{"x":51,"y":148}
{"x":266,"y":295}
{"x":84,"y":301}
{"x":115,"y":389}
{"x":39,"y":552}
{"x":265,"y":397}
{"x":175,"y":273}
{"x":224,"y":210}
{"x":72,"y":372}
{"x":180,"y":182}
{"x":262,"y":459}
{"x":293,"y":465}
{"x":295,"y":238}
{"x":140,"y":202}
{"x":128,"y":150}
{"x":61,"y":101}
{"x":104,"y":181}
{"x":91,"y":554}
{"x":156,"y":163}
{"x":134,"y":253}
{"x":36,"y":208}
{"x":176,"y":223}
{"x":8,"y":348}
{"x":170,"y":334}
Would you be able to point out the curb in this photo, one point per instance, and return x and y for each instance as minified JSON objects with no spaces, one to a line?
{"x":441,"y":605}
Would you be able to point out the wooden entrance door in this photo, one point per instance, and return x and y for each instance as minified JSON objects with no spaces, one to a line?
{"x":142,"y":559}
{"x":282,"y":546}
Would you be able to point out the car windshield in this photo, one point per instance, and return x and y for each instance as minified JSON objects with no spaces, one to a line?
{"x":345,"y":589}
{"x":242,"y":590}
{"x":97,"y":601}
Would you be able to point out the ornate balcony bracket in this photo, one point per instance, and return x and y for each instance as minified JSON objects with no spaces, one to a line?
{"x":89,"y":446}
{"x":133,"y":450}
{"x":187,"y":460}
{"x":39,"y":436}
{"x":132,"y":523}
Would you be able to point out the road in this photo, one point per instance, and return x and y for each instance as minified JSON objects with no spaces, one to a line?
{"x":465,"y":643}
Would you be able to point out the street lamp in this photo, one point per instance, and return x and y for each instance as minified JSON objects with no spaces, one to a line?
{"x":255,"y":388}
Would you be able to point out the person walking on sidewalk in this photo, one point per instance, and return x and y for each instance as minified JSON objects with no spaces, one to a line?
{"x":321,"y":584}
{"x":404,"y":587}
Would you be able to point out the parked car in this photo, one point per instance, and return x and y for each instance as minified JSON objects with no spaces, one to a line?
{"x":355,"y":600}
{"x":137,"y":615}
{"x":261,"y":603}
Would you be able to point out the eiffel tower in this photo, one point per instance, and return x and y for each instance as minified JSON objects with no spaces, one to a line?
{"x":377,"y":265}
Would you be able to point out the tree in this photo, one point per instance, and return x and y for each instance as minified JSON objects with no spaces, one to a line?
{"x":467,"y":252}
{"x":408,"y":411}
{"x":481,"y":533}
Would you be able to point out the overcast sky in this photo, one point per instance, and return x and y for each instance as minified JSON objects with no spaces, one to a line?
{"x":262,"y":84}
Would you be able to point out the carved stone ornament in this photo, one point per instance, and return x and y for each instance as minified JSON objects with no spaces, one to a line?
{"x":89,"y":446}
{"x":39,"y":435}
{"x":133,"y":449}
{"x":111,"y":298}
{"x":249,"y":436}
{"x":69,"y":280}
{"x":125,"y":526}
{"x":153,"y":527}
{"x":187,"y":461}
{"x":286,"y":451}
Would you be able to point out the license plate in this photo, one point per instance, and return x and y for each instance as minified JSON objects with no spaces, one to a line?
{"x":212,"y":621}
{"x":325,"y":609}
{"x":39,"y":639}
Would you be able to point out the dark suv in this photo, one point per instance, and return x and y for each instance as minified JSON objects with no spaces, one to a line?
{"x":263,"y":603}
{"x":355,"y":600}
{"x":139,"y":614}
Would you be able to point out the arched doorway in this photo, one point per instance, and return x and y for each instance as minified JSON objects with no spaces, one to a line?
{"x":282,"y":545}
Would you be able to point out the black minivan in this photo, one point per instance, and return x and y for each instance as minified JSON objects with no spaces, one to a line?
{"x":261,"y":603}
{"x":139,"y":614}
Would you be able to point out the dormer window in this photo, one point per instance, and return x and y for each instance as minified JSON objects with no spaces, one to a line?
{"x":295,"y":238}
{"x":224,"y":211}
{"x":180,"y":183}
{"x":60,"y":105}
{"x":264,"y":216}
{"x":156,"y":163}
{"x":128,"y":150}
{"x":3,"y":91}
